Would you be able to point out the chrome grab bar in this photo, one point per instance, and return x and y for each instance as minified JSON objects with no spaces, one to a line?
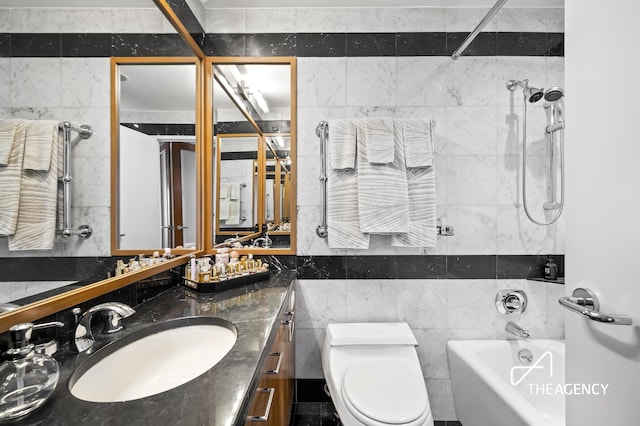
{"x":585,"y":303}
{"x":322,"y":131}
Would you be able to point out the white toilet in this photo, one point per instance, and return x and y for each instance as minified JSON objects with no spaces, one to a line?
{"x":374,"y":376}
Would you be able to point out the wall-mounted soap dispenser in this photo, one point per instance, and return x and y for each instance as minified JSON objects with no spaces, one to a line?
{"x":27,"y":378}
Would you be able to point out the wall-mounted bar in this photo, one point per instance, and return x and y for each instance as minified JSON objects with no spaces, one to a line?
{"x":84,"y":132}
{"x":584,"y":302}
{"x":473,"y":34}
{"x":323,"y":133}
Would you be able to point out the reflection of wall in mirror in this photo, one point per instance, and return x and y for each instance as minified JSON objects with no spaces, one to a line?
{"x":139,"y":165}
{"x":233,"y":174}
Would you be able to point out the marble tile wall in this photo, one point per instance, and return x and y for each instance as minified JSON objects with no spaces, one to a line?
{"x":478,"y":143}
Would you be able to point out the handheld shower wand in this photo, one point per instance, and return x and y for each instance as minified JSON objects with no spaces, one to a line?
{"x":554,"y":109}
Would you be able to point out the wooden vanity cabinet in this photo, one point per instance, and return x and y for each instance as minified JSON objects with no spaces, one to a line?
{"x":272,"y":399}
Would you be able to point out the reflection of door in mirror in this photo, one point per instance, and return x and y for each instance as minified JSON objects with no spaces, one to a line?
{"x":154,"y":149}
{"x":236,"y":185}
{"x":177,"y":166}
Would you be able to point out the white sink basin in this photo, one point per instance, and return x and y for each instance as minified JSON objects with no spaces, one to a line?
{"x":153,"y":360}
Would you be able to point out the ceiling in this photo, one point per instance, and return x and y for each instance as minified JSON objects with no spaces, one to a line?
{"x":213,"y":4}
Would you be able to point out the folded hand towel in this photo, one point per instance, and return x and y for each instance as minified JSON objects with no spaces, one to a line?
{"x":380,"y":140}
{"x":10,"y":178}
{"x":342,"y":191}
{"x":7,"y":134}
{"x":382,"y":188}
{"x":223,"y":207}
{"x":418,"y":142}
{"x":234,"y":191}
{"x":342,"y":144}
{"x":38,"y":145}
{"x":234,"y":213}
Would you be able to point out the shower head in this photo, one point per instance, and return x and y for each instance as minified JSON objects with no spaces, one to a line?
{"x":531,"y":93}
{"x":554,"y":94}
{"x":534,"y":94}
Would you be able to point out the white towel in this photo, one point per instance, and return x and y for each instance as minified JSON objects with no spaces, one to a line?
{"x":342,"y":144}
{"x":418,"y":142}
{"x":7,"y":136}
{"x":234,"y":191}
{"x":380,"y":140}
{"x":10,"y":177}
{"x":39,"y":144}
{"x":422,"y":210}
{"x":223,"y":209}
{"x":383,"y":198}
{"x":343,"y":222}
{"x":234,"y":213}
{"x":37,"y":213}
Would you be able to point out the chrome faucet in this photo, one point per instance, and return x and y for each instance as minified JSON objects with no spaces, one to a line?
{"x":516,"y":330}
{"x":262,"y":242}
{"x":113,"y":313}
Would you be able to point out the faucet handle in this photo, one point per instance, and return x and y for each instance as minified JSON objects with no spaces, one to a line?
{"x":112,"y":322}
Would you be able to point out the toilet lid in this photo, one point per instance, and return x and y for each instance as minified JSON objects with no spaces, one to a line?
{"x":385,"y":390}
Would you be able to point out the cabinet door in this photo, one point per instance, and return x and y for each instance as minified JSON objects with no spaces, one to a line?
{"x":272,"y":400}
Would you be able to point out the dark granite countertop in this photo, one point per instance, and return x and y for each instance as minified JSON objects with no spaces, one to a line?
{"x":217,"y":397}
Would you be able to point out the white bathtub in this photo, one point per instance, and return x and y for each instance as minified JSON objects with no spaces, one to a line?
{"x":488,"y":391}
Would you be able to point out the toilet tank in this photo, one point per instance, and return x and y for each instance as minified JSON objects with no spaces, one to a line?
{"x":355,"y":334}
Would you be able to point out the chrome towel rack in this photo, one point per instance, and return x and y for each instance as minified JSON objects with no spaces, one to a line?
{"x":85,"y":132}
{"x":584,"y":302}
{"x":322,"y":131}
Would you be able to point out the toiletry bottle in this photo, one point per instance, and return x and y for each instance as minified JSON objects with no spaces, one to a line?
{"x":193,"y":268}
{"x":550,"y":269}
{"x":27,"y":379}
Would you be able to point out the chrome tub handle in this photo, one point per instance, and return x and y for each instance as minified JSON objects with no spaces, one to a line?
{"x":585,"y":303}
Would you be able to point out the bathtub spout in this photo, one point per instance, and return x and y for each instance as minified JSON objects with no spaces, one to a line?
{"x":516,"y":330}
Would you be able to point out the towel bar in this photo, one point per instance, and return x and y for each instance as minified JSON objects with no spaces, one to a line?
{"x":322,"y":131}
{"x":84,"y":132}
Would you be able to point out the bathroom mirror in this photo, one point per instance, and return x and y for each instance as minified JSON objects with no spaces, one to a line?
{"x":250,"y":147}
{"x":46,"y":305}
{"x":153,"y":154}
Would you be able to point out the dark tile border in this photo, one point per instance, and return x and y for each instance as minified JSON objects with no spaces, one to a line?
{"x":86,"y":269}
{"x":425,"y":267}
{"x":163,"y":128}
{"x":282,"y":44}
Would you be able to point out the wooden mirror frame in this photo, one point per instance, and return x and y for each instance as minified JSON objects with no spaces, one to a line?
{"x":209,"y":142}
{"x":115,"y":143}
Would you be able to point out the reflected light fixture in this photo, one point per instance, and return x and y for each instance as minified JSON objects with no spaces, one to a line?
{"x":261,"y":102}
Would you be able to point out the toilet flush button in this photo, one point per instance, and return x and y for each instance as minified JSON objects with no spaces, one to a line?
{"x":386,"y":390}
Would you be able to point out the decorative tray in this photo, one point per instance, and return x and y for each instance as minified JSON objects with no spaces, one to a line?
{"x":224,"y":284}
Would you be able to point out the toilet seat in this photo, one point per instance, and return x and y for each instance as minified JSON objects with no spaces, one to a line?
{"x":385,"y":391}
